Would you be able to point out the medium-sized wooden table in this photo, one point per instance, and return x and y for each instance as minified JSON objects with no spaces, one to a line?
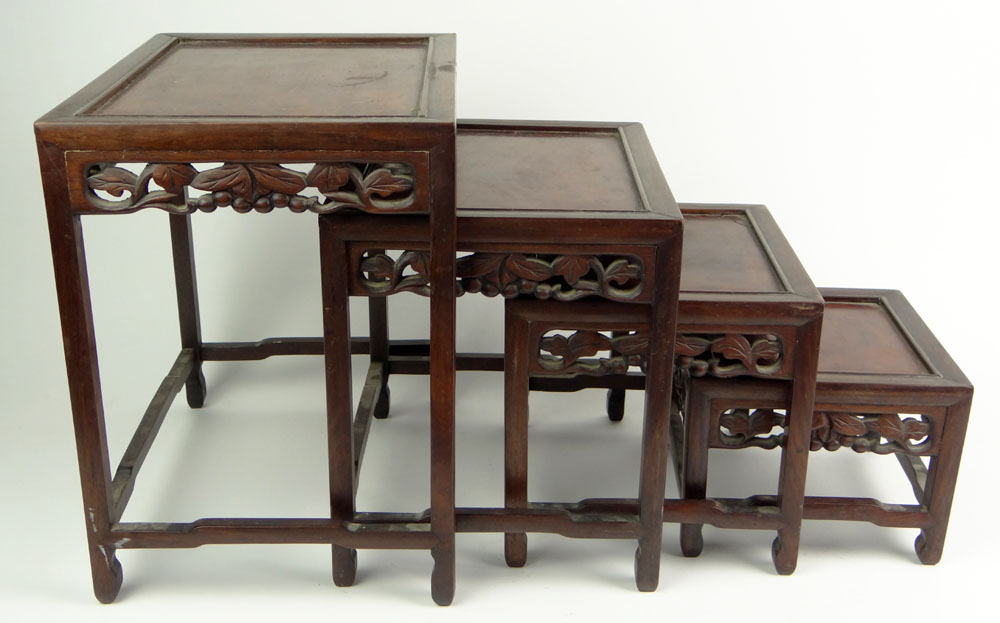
{"x":566,"y":212}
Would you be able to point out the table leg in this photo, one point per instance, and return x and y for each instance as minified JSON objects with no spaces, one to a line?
{"x":186,"y":283}
{"x":378,"y":335}
{"x":656,"y":421}
{"x":339,"y":400}
{"x":695,"y":471}
{"x":939,"y":488}
{"x":517,"y":351}
{"x":80,"y":346}
{"x":615,"y":400}
{"x":795,"y":454}
{"x":443,"y":236}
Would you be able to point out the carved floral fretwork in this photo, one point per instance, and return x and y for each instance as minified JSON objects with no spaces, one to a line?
{"x":880,"y":433}
{"x":574,"y":354}
{"x":729,"y":355}
{"x":559,"y":277}
{"x":259,"y":186}
{"x":698,"y":355}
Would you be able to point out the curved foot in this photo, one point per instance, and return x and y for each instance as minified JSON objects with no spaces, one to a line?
{"x":927,"y":554}
{"x":382,"y":404}
{"x":615,"y":403}
{"x":345,"y":565}
{"x":647,"y":571}
{"x":692,"y":541}
{"x":196,"y":388}
{"x":443,"y":575}
{"x":515,"y":549}
{"x":108,"y":576}
{"x":783,"y":563}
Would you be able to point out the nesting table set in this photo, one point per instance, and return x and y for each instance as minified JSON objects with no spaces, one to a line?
{"x":607,"y":282}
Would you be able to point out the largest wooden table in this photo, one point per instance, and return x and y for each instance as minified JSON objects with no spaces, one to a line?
{"x":309,"y":123}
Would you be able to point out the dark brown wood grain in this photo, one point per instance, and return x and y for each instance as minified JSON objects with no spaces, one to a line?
{"x":911,"y":400}
{"x":127,"y":142}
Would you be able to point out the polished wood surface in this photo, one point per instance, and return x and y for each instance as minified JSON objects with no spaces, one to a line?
{"x":724,"y":253}
{"x":264,"y":92}
{"x":861,"y":337}
{"x":914,"y":404}
{"x":547,"y":248}
{"x":215,"y":112}
{"x":545,"y":170}
{"x":297,"y":79}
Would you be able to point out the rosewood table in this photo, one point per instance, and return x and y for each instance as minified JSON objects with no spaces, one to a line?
{"x":363,"y":123}
{"x":747,"y":308}
{"x":885,"y":386}
{"x":558,"y":211}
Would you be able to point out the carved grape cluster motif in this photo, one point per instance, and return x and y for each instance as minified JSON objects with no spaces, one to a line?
{"x":560,"y":277}
{"x":255,"y":186}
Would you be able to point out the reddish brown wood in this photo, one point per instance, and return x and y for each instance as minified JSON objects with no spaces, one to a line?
{"x":185,"y":279}
{"x":628,"y":249}
{"x":878,"y":360}
{"x":393,"y":156}
{"x":767,"y":328}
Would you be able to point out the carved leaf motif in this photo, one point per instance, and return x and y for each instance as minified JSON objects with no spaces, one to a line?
{"x":328,"y":177}
{"x":735,"y":347}
{"x":556,"y":345}
{"x":529,"y":268}
{"x":748,"y":425}
{"x":847,"y":424}
{"x":736,"y":422}
{"x":159,"y":198}
{"x":572,"y":267}
{"x":234,"y":178}
{"x":113,"y":180}
{"x":765,"y":350}
{"x":762,"y":421}
{"x":821,"y":423}
{"x":173,"y":177}
{"x":621,"y":272}
{"x":916,"y":429}
{"x":418,"y":262}
{"x":586,"y":344}
{"x":691,"y":345}
{"x":273,"y":177}
{"x":893,"y":428}
{"x":477,"y":265}
{"x":384,"y":183}
{"x":378,"y":267}
{"x":635,"y":344}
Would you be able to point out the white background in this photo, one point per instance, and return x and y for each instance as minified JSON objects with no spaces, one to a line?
{"x":869,"y":129}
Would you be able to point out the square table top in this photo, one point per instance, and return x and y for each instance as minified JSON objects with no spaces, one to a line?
{"x":737,"y":264}
{"x":389,"y":89}
{"x":534,"y":177}
{"x":875,"y":337}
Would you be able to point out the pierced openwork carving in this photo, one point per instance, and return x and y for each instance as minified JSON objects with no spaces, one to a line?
{"x":881,"y":433}
{"x":729,"y":355}
{"x":698,"y":355}
{"x":574,"y":354}
{"x":745,"y":428}
{"x":259,"y":186}
{"x":560,"y":277}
